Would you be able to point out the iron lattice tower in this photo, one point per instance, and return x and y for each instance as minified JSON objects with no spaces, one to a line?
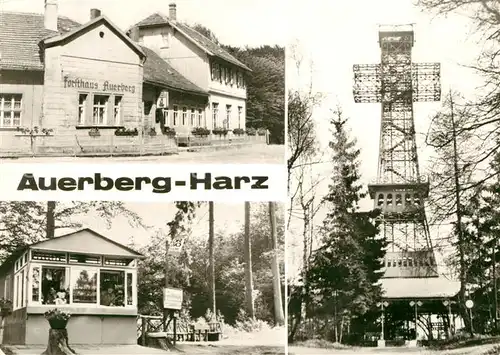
{"x":399,"y":190}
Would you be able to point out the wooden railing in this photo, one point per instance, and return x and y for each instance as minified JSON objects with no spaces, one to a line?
{"x":155,"y":326}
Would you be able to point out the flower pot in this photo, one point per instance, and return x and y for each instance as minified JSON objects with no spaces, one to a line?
{"x":58,"y":323}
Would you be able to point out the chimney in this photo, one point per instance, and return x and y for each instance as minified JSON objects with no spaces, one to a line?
{"x":94,"y":13}
{"x":50,"y":15}
{"x":134,"y":34}
{"x":172,"y":12}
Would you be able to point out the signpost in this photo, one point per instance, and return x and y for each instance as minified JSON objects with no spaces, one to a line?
{"x":469,"y":304}
{"x":172,"y":301}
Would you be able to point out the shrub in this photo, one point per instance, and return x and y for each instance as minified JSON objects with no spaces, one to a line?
{"x":238,"y":131}
{"x":251,"y":131}
{"x":152,"y":132}
{"x":261,"y":131}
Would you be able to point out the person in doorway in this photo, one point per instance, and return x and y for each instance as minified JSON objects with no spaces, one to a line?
{"x":108,"y":297}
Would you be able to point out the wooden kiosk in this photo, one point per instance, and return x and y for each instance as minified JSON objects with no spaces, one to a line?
{"x":84,"y":273}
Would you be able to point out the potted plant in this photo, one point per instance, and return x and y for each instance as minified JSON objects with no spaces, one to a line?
{"x":200,"y":131}
{"x":5,"y":306}
{"x":238,"y":131}
{"x":152,"y":132}
{"x":57,"y":319}
{"x":94,"y":132}
{"x":169,"y":131}
{"x":122,"y":131}
{"x":219,"y":131}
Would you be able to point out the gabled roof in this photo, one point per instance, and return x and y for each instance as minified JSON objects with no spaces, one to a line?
{"x":159,"y":73}
{"x":84,"y":241}
{"x":208,"y":46}
{"x":20,"y":35}
{"x":100,"y":19}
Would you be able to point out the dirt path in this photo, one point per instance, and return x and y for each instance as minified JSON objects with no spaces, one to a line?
{"x":475,"y":350}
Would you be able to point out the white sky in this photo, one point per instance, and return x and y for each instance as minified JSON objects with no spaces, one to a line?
{"x":228,"y":217}
{"x":334,"y":35}
{"x":237,"y":23}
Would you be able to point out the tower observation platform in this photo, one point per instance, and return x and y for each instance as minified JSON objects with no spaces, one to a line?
{"x":399,"y":190}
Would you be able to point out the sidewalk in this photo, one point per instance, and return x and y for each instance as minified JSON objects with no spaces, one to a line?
{"x":91,"y":350}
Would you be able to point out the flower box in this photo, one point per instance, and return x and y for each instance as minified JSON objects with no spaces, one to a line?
{"x":126,"y":132}
{"x":168,"y":131}
{"x":220,"y":131}
{"x":94,"y":132}
{"x":200,"y":131}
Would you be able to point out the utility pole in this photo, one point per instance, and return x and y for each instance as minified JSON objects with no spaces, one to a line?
{"x":458,"y":213}
{"x":211,"y":257}
{"x":167,"y":281}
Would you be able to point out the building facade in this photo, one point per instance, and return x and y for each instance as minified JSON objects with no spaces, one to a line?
{"x":66,"y":88}
{"x":83,"y":273}
{"x":204,"y":63}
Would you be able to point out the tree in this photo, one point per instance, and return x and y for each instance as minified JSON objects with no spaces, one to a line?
{"x":248,"y":264}
{"x":279,"y":317}
{"x":452,"y":175}
{"x":484,"y":123}
{"x":25,"y":222}
{"x":265,"y":103}
{"x":339,"y":283}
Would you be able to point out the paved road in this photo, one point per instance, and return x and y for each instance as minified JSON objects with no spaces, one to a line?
{"x":476,"y":350}
{"x":258,"y":154}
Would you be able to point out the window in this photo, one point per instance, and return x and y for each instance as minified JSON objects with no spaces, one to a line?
{"x":389,"y":262}
{"x":240,"y":111}
{"x":399,"y":200}
{"x":389,"y":200}
{"x":35,"y":284}
{"x":7,"y":292}
{"x":84,"y":259}
{"x":176,"y":114}
{"x":84,"y":285}
{"x":130,"y":294}
{"x":184,"y":115}
{"x":10,"y":110}
{"x":112,"y":288}
{"x":416,"y":199}
{"x":223,"y":76}
{"x":55,"y":286}
{"x":228,"y":116}
{"x":117,"y":112}
{"x":118,"y":262}
{"x":100,"y":109}
{"x":165,"y":36}
{"x":407,"y":199}
{"x":215,"y":114}
{"x":23,"y":279}
{"x":82,"y":108}
{"x":380,"y":200}
{"x":18,"y":290}
{"x":42,"y":256}
{"x":193,"y":115}
{"x":200,"y":116}
{"x":410,"y":262}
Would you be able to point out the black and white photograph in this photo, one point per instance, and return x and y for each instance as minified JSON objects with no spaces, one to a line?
{"x":142,"y":278}
{"x":156,"y":81}
{"x":393,"y":190}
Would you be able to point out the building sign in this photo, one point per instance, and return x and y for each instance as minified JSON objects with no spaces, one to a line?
{"x":94,"y":85}
{"x":172,"y":298}
{"x":163,"y":100}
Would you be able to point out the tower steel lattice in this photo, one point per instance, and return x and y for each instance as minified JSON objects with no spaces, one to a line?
{"x":399,"y":190}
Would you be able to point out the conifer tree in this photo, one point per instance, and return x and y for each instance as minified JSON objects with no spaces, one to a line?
{"x":345,"y":270}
